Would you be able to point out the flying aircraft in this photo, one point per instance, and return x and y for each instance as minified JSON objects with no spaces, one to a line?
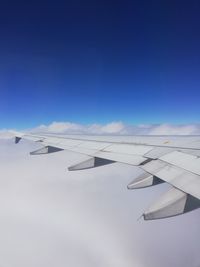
{"x":171,"y":159}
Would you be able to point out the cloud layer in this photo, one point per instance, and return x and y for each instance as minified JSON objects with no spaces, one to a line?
{"x":53,"y":217}
{"x":119,"y":128}
{"x":5,"y":134}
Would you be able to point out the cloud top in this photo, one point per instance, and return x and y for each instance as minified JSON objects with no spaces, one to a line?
{"x":112,"y":128}
{"x":119,"y":128}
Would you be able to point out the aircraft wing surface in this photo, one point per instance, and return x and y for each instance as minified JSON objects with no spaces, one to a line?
{"x":171,"y":159}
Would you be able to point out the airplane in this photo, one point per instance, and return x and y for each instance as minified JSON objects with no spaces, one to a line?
{"x":171,"y":159}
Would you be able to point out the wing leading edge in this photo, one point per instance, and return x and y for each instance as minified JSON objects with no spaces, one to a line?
{"x":174,"y":160}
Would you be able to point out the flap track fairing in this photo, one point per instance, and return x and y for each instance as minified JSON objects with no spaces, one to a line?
{"x":144,"y":180}
{"x":92,"y":162}
{"x":46,"y":150}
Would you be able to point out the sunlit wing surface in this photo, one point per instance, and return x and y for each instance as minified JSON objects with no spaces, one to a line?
{"x":175,"y":160}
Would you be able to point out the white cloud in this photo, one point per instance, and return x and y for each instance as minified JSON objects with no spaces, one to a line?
{"x":113,"y":128}
{"x":110,"y":128}
{"x":69,"y":127}
{"x":119,"y":128}
{"x":60,"y":127}
{"x":5,"y":134}
{"x":167,"y":129}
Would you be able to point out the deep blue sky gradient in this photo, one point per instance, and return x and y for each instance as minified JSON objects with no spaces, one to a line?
{"x":99,"y":61}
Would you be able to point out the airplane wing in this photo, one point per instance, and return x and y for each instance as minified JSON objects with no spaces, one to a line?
{"x":171,"y":159}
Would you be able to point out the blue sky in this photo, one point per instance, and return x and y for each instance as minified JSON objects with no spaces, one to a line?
{"x":99,"y":61}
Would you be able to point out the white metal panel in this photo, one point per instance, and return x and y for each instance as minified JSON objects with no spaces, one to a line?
{"x":184,"y":142}
{"x":128,"y":149}
{"x":65,"y":144}
{"x":96,"y":149}
{"x":178,"y":177}
{"x":188,"y":162}
{"x":94,"y":145}
{"x":83,"y":150}
{"x":158,"y":152}
{"x":163,"y":141}
{"x":194,"y":152}
{"x":124,"y":158}
{"x":124,"y":148}
{"x":32,"y":138}
{"x":69,"y":142}
{"x":51,"y":140}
